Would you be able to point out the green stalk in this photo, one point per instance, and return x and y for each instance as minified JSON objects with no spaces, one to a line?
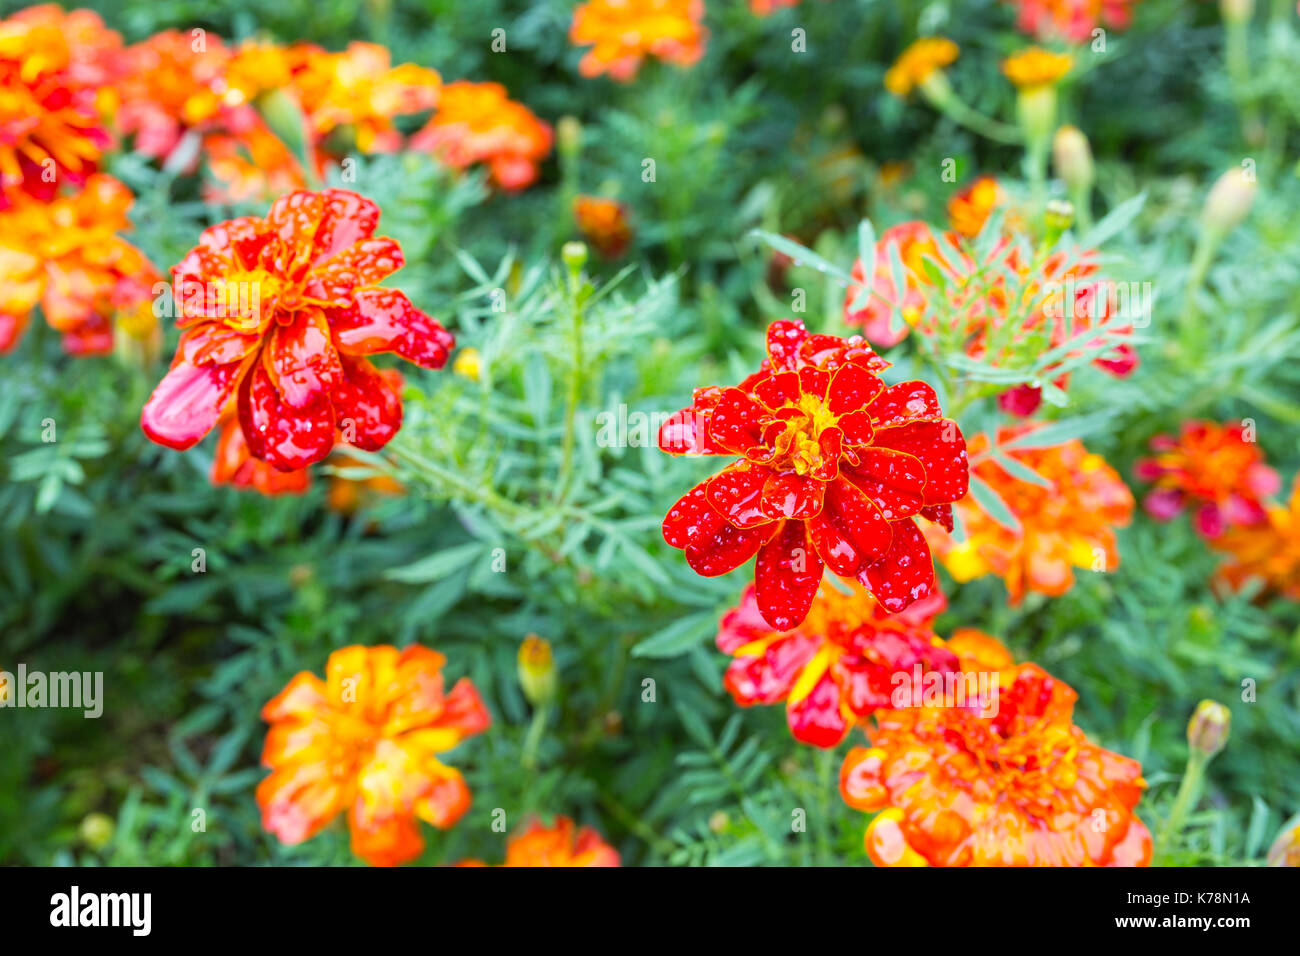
{"x":1189,"y":792}
{"x":940,"y":95}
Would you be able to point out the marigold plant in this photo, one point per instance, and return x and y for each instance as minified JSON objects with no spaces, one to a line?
{"x":834,"y":466}
{"x":278,"y":315}
{"x":365,"y":741}
{"x":1023,"y":786}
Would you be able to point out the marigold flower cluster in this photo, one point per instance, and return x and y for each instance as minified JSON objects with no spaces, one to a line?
{"x":1016,"y":785}
{"x":1065,"y":522}
{"x":278,"y":316}
{"x":622,"y":33}
{"x":832,"y":469}
{"x":835,"y":668}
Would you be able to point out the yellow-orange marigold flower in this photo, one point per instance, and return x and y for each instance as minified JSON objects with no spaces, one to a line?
{"x":603,"y":223}
{"x":172,"y":82}
{"x":1020,"y":787}
{"x":479,"y":123}
{"x":1268,"y":552}
{"x":923,"y":57}
{"x":254,"y":165}
{"x":67,"y":257}
{"x":1069,"y":523}
{"x":1035,"y":67}
{"x":365,"y":740}
{"x":969,"y":208}
{"x":52,"y":69}
{"x":622,"y":33}
{"x":563,"y":844}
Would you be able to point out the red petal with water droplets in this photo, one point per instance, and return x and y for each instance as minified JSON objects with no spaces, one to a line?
{"x":783,"y":341}
{"x":301,"y":359}
{"x":905,"y":402}
{"x":940,"y":515}
{"x":893,"y":480}
{"x":778,"y":390}
{"x":384,"y":320}
{"x":817,"y":718}
{"x":346,"y":220}
{"x":734,"y":423}
{"x":852,"y":388}
{"x":279,"y":434}
{"x":942,"y":451}
{"x":850,"y":532}
{"x":792,"y":496}
{"x":367,"y":263}
{"x":786,"y":576}
{"x":830,"y":442}
{"x":856,"y":428}
{"x":814,"y":381}
{"x":767,"y":678}
{"x":831,"y":352}
{"x":905,"y":574}
{"x":687,"y":432}
{"x":736,"y":493}
{"x":366,"y":407}
{"x":712,"y":546}
{"x":188,"y":401}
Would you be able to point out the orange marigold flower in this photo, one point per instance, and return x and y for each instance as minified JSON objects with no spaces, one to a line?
{"x":66,"y":256}
{"x":478,"y":123}
{"x":624,"y":32}
{"x":1069,"y":522}
{"x":969,"y":207}
{"x":922,"y":58}
{"x":1021,"y":786}
{"x":1267,"y":552}
{"x":278,"y":315}
{"x":837,"y":667}
{"x":1215,"y":470}
{"x":563,"y":844}
{"x":1035,"y":68}
{"x":603,"y":223}
{"x":834,"y":465}
{"x":53,"y":66}
{"x":361,"y":89}
{"x":173,"y":82}
{"x":763,"y":8}
{"x":366,"y":741}
{"x":1071,"y":20}
{"x":915,"y":243}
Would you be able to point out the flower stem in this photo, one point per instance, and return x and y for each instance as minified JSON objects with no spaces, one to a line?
{"x":940,"y":95}
{"x":574,"y":287}
{"x":534,"y":738}
{"x":1188,"y":793}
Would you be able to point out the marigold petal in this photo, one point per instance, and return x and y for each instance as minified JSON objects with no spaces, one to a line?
{"x":384,"y":320}
{"x":367,"y":408}
{"x":942,"y":450}
{"x":188,"y":401}
{"x":790,"y":495}
{"x":905,"y":574}
{"x":736,"y":493}
{"x":786,"y":576}
{"x":850,"y":532}
{"x":276,"y":432}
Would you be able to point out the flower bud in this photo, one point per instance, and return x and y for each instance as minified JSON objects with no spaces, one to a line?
{"x":568,"y":135}
{"x":1236,"y":11}
{"x":574,"y":255}
{"x":536,"y":670}
{"x":1058,"y":217}
{"x":96,"y":830}
{"x":1207,"y":731}
{"x":468,"y":364}
{"x":1072,"y":157}
{"x":1229,"y":201}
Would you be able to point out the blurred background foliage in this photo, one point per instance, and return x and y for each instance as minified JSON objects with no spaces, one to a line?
{"x":100,"y":527}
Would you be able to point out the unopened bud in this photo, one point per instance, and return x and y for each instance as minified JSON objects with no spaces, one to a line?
{"x":568,"y":135}
{"x":1072,"y":157}
{"x":1236,"y":11}
{"x":574,"y":255}
{"x":536,"y":667}
{"x":1207,"y":731}
{"x":1229,"y":201}
{"x":96,"y":830}
{"x":1058,"y":217}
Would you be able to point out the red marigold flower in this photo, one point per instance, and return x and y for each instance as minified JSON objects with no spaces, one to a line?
{"x":278,"y":315}
{"x":52,"y":68}
{"x":625,"y":32}
{"x":1071,"y":20}
{"x":1021,"y":786}
{"x":365,"y":740}
{"x":837,"y":667}
{"x":834,"y":465}
{"x":1212,"y":468}
{"x":1268,"y":552}
{"x":604,"y":223}
{"x":66,"y":256}
{"x":479,"y":123}
{"x":1069,"y":523}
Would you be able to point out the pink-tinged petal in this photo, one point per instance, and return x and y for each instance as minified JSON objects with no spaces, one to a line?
{"x":284,"y":437}
{"x":215,"y":344}
{"x":817,"y":717}
{"x":1163,"y":504}
{"x":786,"y":576}
{"x":736,"y":493}
{"x":850,"y":533}
{"x":367,"y":263}
{"x":905,"y":574}
{"x":347,"y":219}
{"x":299,"y":800}
{"x":778,"y":390}
{"x":790,"y":495}
{"x":366,"y":407}
{"x":856,"y":428}
{"x":893,"y":480}
{"x":905,"y":402}
{"x":814,"y":381}
{"x":687,"y":433}
{"x":766,"y":678}
{"x":301,"y":359}
{"x":384,"y":320}
{"x":942,"y":450}
{"x":734,"y":423}
{"x":783,"y":341}
{"x":1023,"y":400}
{"x":852,"y":388}
{"x":1263,"y":481}
{"x":1209,"y":520}
{"x":743,"y":624}
{"x":188,"y":401}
